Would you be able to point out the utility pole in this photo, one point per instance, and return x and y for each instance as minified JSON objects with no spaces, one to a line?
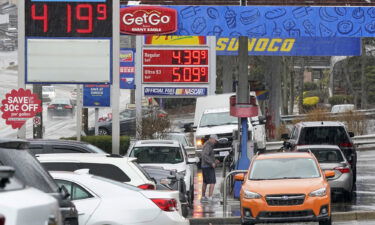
{"x":38,"y":119}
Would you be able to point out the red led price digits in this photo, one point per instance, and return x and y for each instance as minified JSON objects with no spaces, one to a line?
{"x":43,"y":17}
{"x":189,"y":74}
{"x":78,"y":13}
{"x":189,"y":57}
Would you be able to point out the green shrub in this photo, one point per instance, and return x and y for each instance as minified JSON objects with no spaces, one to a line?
{"x":105,"y":142}
{"x":309,"y":86}
{"x":340,"y":99}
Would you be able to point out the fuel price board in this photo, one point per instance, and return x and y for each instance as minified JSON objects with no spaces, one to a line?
{"x":175,"y":65}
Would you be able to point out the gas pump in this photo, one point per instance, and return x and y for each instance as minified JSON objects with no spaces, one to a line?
{"x":244,"y":149}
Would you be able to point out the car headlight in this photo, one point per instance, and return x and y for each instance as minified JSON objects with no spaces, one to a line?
{"x":182,"y":173}
{"x":319,"y":193}
{"x":251,"y":195}
{"x":199,"y":142}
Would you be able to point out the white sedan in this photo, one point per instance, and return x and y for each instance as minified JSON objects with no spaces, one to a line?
{"x":102,"y":201}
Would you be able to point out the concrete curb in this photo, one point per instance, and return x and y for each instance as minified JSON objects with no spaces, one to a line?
{"x":336,"y":216}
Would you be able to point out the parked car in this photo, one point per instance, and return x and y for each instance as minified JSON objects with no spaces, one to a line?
{"x":48,"y":146}
{"x":323,"y":132}
{"x":60,"y":107}
{"x":48,"y":93}
{"x":30,"y":172}
{"x":22,"y":205}
{"x":127,"y":121}
{"x":104,"y":201}
{"x":285,"y":187}
{"x":342,"y":108}
{"x":169,"y":155}
{"x":170,"y":180}
{"x":330,"y":157}
{"x":122,"y":169}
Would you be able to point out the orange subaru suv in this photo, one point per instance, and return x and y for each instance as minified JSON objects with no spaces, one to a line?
{"x":285,"y":187}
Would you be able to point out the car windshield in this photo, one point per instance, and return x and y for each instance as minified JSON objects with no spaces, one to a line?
{"x":28,"y":169}
{"x":177,"y":137}
{"x":323,"y":135}
{"x":48,"y":89}
{"x":284,"y":168}
{"x":326,"y":155}
{"x":157,"y":154}
{"x":217,"y":119}
{"x":95,"y":149}
{"x":61,"y":101}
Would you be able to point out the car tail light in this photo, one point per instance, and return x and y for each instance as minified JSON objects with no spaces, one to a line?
{"x":68,"y":107}
{"x":161,"y":115}
{"x":168,"y":205}
{"x":346,"y":144}
{"x":2,"y":220}
{"x":343,"y":169}
{"x":147,"y":187}
{"x":51,"y":106}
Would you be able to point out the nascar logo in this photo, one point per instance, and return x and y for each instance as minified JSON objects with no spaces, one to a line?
{"x":257,"y":44}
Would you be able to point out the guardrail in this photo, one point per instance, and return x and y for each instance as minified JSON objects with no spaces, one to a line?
{"x":225,"y":187}
{"x":365,"y":112}
{"x":361,"y":142}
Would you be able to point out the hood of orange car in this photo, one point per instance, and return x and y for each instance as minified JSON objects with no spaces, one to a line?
{"x":285,"y":186}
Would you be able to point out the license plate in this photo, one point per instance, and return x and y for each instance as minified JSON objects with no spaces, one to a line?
{"x":224,"y":153}
{"x":59,"y":107}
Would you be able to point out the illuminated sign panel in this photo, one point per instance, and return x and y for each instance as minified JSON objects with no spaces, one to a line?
{"x":173,"y":65}
{"x":53,"y":18}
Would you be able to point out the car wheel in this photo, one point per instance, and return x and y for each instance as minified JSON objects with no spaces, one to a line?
{"x":348,"y":195}
{"x":185,"y":210}
{"x":326,"y":222}
{"x":103,"y":131}
{"x":191,"y":197}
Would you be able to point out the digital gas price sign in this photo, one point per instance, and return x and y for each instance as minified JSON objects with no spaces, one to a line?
{"x":69,"y":18}
{"x":175,"y":65}
{"x":68,"y":41}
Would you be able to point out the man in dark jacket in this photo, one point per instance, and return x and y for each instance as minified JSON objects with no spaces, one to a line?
{"x":208,"y":167}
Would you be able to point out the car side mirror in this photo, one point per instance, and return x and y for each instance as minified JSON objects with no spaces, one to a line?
{"x":262,"y":120}
{"x":64,"y":192}
{"x":285,"y":136}
{"x":329,"y":173}
{"x":193,"y":160}
{"x":351,"y":134}
{"x":239,"y":177}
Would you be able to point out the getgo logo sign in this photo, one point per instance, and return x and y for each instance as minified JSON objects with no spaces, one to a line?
{"x":148,"y":20}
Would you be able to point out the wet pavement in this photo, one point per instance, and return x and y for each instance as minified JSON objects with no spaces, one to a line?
{"x":364,"y":199}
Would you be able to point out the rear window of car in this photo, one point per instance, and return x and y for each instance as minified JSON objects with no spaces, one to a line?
{"x":104,"y":170}
{"x":28,"y":169}
{"x":61,"y":101}
{"x":323,"y":135}
{"x":157,"y":154}
{"x":326,"y":155}
{"x":12,"y":185}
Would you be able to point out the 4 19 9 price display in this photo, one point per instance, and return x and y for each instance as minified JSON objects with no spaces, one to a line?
{"x":175,"y":74}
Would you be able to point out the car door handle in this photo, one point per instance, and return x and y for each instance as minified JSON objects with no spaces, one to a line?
{"x":81,"y":214}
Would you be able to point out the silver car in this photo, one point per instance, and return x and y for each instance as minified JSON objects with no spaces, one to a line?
{"x":330,"y":157}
